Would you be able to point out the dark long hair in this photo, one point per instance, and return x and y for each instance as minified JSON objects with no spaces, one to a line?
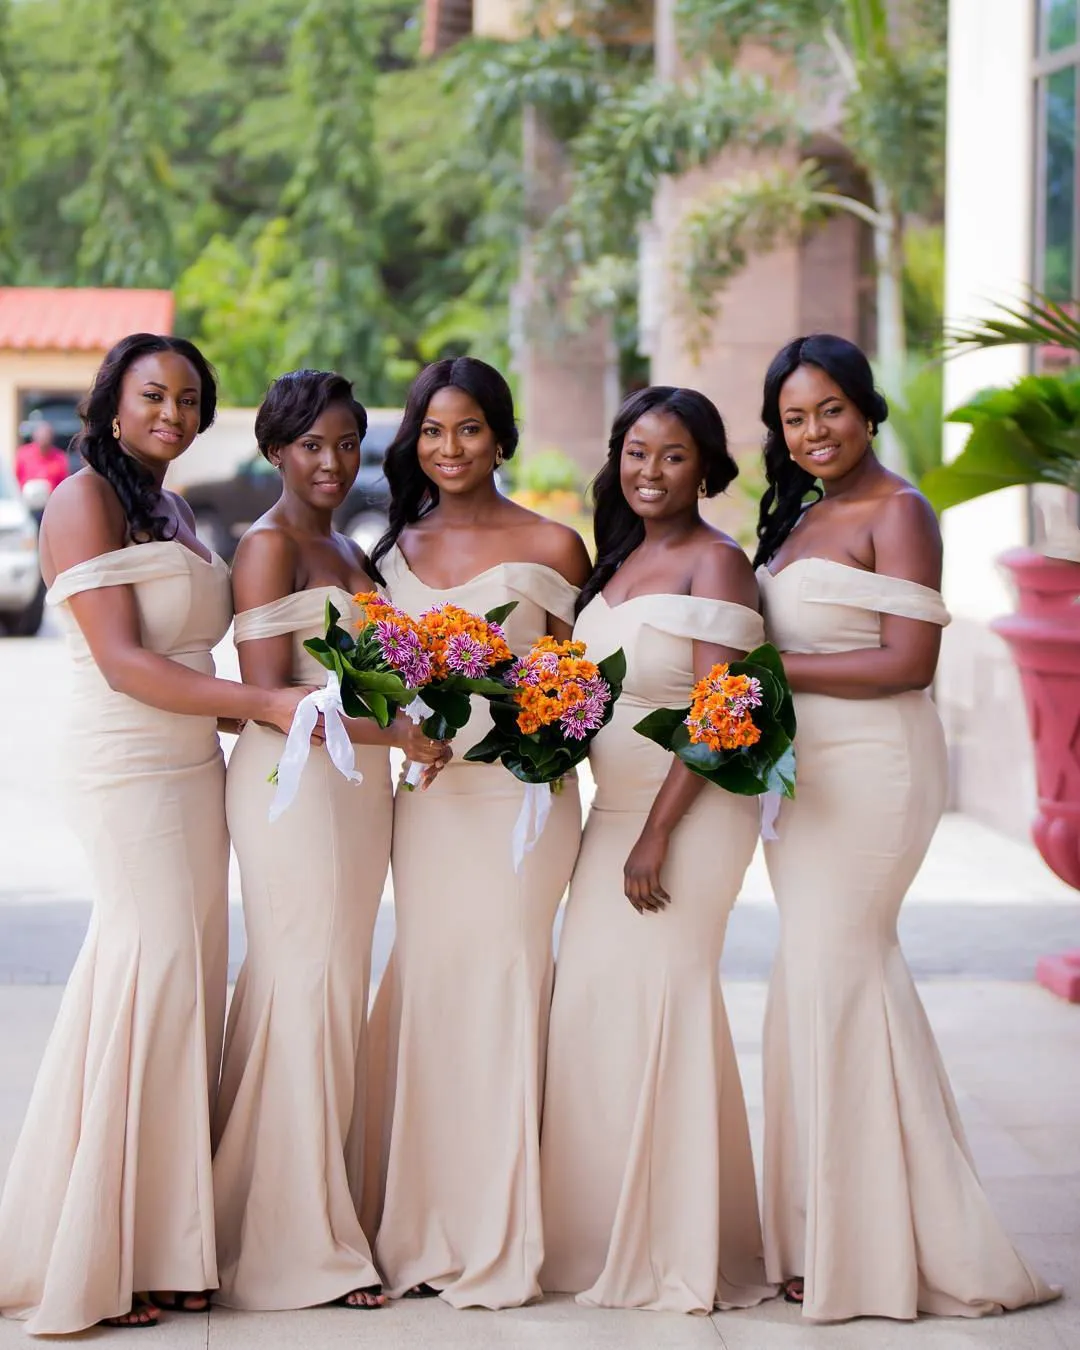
{"x":296,"y":401}
{"x":412,"y":493}
{"x":138,"y":493}
{"x":617,"y":528}
{"x":789,"y":485}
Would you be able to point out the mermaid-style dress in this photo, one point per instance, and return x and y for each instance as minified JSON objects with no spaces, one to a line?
{"x":870,"y":1192}
{"x":109,"y":1191}
{"x":459,"y":1026}
{"x":289,"y":1128}
{"x":648,"y":1180}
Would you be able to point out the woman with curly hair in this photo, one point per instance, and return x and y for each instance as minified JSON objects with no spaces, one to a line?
{"x":109,"y":1191}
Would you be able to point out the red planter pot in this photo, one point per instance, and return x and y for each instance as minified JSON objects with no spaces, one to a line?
{"x":1044,"y":637}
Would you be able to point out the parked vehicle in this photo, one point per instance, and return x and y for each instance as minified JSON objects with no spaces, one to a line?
{"x":225,"y":508}
{"x":22,"y":592}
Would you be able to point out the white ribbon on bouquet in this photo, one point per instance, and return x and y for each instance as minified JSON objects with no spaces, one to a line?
{"x":769,"y":804}
{"x":533,"y":816}
{"x":298,"y":744}
{"x":415,"y":711}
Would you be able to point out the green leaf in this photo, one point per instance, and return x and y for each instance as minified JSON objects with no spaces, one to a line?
{"x":380,"y":709}
{"x":501,"y":613}
{"x":489,"y":749}
{"x":659,"y":726}
{"x":613,"y":669}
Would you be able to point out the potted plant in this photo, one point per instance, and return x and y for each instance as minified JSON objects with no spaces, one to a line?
{"x":1029,"y":433}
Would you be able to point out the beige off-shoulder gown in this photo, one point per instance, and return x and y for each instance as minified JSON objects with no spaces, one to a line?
{"x":290,"y":1121}
{"x":648,"y":1181}
{"x":460,"y":1021}
{"x":109,"y":1191}
{"x":870,"y":1192}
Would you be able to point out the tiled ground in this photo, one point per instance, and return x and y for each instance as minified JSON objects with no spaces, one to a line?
{"x":1013,"y":1053}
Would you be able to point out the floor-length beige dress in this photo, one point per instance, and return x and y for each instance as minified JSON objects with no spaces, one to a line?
{"x":289,"y":1126}
{"x":460,"y":1020}
{"x":870,"y":1192}
{"x":649,"y":1193}
{"x":109,"y":1190}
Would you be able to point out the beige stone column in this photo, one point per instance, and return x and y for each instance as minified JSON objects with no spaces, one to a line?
{"x":568,"y":378}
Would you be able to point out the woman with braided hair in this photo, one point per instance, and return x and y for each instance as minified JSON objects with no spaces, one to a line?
{"x":871,"y":1202}
{"x":109,"y":1191}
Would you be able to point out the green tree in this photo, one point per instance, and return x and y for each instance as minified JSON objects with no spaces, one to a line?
{"x":9,"y":139}
{"x":128,"y":204}
{"x":333,"y":195}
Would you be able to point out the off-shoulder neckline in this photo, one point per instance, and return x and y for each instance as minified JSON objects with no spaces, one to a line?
{"x":846,"y":567}
{"x":487,"y":572}
{"x":670,"y":595}
{"x":213,"y":560}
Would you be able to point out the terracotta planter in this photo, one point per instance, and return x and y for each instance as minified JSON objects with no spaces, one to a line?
{"x":1044,"y":637}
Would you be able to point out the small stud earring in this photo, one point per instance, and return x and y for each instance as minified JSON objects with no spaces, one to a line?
{"x":115,"y":429}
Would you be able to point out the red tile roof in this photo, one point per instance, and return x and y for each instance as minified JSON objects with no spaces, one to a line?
{"x":78,"y":319}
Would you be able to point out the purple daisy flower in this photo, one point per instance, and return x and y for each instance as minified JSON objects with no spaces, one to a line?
{"x":466,"y":656}
{"x":578,"y":721}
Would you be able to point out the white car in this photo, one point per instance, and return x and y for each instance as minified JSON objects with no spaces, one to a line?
{"x":22,"y":594}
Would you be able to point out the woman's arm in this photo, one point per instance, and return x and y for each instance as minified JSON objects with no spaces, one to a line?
{"x":84,"y":524}
{"x":907,"y":545}
{"x":724,"y":573}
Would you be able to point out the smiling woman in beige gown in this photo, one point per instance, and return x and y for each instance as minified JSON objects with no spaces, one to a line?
{"x":109,"y":1191}
{"x":648,"y":1181}
{"x":289,"y":1126}
{"x":872,"y":1206}
{"x":460,"y":1021}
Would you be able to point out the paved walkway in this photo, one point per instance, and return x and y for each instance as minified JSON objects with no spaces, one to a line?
{"x":981,"y":909}
{"x":1012,"y":1052}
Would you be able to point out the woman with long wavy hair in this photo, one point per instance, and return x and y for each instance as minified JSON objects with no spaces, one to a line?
{"x":458,"y":1029}
{"x":648,"y":1180}
{"x":871,"y":1202}
{"x":109,"y":1191}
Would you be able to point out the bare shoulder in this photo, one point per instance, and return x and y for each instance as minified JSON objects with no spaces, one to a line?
{"x":183,"y":509}
{"x":562,"y":549}
{"x":907,"y":537}
{"x":264,"y":567}
{"x":722,"y":571}
{"x":83,"y":519}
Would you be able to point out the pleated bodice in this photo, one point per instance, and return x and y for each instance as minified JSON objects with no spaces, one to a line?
{"x":185,"y":609}
{"x":657,"y":635}
{"x":538,"y":590}
{"x":302,"y":615}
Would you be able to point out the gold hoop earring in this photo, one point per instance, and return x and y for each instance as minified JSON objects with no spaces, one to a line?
{"x":703,"y":488}
{"x":115,"y":429}
{"x":498,"y":456}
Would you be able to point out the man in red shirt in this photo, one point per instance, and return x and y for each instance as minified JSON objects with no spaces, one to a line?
{"x":39,"y":459}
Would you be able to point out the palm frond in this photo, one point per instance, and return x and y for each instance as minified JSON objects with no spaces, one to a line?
{"x":1035,"y":322}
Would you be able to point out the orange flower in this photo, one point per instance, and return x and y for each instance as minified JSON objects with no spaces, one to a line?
{"x":720,"y":710}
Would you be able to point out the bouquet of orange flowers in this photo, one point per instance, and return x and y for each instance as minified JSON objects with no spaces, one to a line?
{"x":739,"y":729}
{"x":380,"y":666}
{"x":465,"y":655}
{"x":557,"y":703}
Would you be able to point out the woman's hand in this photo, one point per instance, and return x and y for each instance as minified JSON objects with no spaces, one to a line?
{"x":419,"y":748}
{"x":281,"y":706}
{"x":641,"y":874}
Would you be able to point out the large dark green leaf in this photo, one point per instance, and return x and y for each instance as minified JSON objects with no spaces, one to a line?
{"x":613,"y":669}
{"x":659,"y":726}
